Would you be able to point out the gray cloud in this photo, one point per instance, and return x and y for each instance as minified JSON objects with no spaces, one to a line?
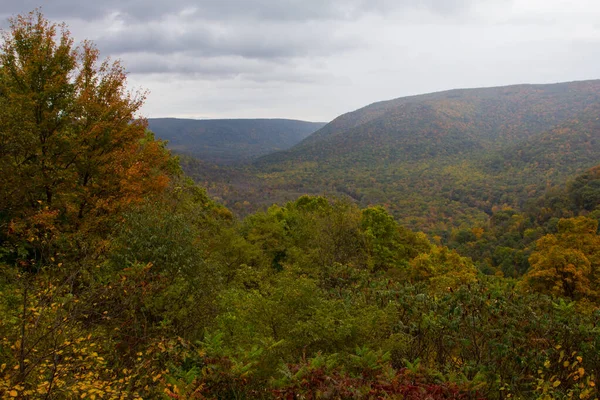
{"x":205,"y":39}
{"x":315,"y":59}
{"x":223,"y":68}
{"x":278,"y":10}
{"x":184,"y":36}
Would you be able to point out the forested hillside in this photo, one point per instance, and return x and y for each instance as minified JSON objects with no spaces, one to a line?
{"x":437,"y":161}
{"x":505,"y":242}
{"x":120,"y":278}
{"x":499,"y":114}
{"x":226,"y":141}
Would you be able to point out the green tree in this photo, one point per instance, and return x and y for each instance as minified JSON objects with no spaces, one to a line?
{"x":73,"y":157}
{"x":443,"y":269}
{"x":72,"y":150}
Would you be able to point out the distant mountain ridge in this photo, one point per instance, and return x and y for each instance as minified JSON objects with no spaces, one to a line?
{"x":231,"y":140}
{"x":570,"y":92}
{"x":441,"y":159}
{"x":497,"y":115}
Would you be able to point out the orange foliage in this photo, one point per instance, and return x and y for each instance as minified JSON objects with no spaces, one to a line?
{"x":71,"y":140}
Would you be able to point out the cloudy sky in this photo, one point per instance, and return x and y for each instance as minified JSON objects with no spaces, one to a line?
{"x":316,"y":59}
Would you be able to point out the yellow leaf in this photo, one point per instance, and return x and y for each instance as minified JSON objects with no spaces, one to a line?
{"x":13,"y":393}
{"x":581,"y":371}
{"x":556,"y":383}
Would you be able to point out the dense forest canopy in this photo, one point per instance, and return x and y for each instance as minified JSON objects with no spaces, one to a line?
{"x":120,"y":278}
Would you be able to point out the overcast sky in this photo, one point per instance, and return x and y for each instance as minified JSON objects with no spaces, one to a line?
{"x":317,"y":59}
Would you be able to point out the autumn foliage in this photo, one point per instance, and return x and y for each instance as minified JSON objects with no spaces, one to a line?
{"x":122,"y":279}
{"x":73,"y":152}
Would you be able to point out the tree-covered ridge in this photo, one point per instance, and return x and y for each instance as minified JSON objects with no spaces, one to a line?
{"x":226,"y":141}
{"x":122,"y":279}
{"x":500,"y":113}
{"x":436,"y":161}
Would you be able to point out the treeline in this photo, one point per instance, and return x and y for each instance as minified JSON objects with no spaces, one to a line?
{"x":122,"y":279}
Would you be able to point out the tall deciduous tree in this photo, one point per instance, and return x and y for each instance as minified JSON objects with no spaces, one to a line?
{"x":72,"y":151}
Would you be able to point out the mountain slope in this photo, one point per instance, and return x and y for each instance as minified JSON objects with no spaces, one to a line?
{"x":233,"y":140}
{"x":502,"y":113}
{"x":439,"y":160}
{"x":524,"y":170}
{"x":508,"y":239}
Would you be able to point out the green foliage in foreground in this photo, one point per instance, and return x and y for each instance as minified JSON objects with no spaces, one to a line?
{"x":317,"y":298}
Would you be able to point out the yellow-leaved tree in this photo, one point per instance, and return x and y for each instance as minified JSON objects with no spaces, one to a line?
{"x":567,"y":263}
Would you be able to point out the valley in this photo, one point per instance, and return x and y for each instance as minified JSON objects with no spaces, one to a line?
{"x":437,"y":162}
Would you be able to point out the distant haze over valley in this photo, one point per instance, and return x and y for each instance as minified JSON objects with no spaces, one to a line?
{"x":226,"y":141}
